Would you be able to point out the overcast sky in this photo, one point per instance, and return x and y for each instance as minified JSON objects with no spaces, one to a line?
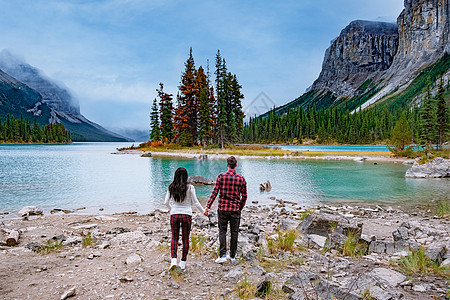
{"x":112,"y":54}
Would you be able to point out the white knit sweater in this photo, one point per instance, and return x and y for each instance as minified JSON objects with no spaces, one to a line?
{"x":184,"y":207}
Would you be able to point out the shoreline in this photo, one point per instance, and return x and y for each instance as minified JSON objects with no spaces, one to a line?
{"x":126,"y":256}
{"x":314,"y":155}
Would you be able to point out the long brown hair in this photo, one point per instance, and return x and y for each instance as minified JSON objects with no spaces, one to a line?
{"x":178,"y":187}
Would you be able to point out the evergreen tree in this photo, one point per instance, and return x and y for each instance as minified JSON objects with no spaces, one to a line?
{"x":205,"y":130}
{"x":428,"y":118}
{"x":401,"y":134}
{"x":239,"y":115}
{"x":166,"y":118}
{"x":155,"y":134}
{"x":221,"y":121}
{"x":186,"y":115}
{"x":442,"y":115}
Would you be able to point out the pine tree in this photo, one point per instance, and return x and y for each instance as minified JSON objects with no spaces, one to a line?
{"x":221,"y":121}
{"x":205,"y":117}
{"x":155,"y":134}
{"x":442,"y":115}
{"x":166,"y":110}
{"x":428,"y":118}
{"x":401,"y":134}
{"x":186,"y":115}
{"x":239,"y":115}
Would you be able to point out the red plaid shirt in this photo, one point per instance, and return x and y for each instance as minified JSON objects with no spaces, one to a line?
{"x":233,"y":191}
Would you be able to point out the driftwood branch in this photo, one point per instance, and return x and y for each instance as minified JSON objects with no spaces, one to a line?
{"x":13,"y":238}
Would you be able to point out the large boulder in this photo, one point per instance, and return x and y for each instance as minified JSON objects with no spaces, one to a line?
{"x":324,"y":223}
{"x":200,"y":180}
{"x":437,"y":168}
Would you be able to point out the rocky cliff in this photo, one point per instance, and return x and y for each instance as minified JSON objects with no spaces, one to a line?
{"x":363,"y":50}
{"x":373,"y":62}
{"x":424,"y":28}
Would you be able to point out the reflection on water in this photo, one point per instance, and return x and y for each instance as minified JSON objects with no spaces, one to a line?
{"x":87,"y":174}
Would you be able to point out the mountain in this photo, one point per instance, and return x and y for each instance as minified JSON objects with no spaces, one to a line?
{"x":26,"y":91}
{"x":383,"y":63}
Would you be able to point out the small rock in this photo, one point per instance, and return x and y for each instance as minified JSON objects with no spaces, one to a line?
{"x":317,"y":239}
{"x":118,"y":230}
{"x":133,"y":260}
{"x":200,"y":180}
{"x":33,"y":246}
{"x":446,"y":262}
{"x":126,"y":279}
{"x":420,"y":288}
{"x":234,"y":274}
{"x":69,"y":293}
{"x":386,"y":276}
{"x":30,"y":211}
{"x":379,"y":294}
{"x":104,"y":244}
{"x":263,"y":288}
{"x":173,"y":284}
{"x":106,"y":218}
{"x":256,"y":269}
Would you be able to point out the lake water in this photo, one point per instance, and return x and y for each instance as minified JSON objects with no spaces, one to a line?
{"x":88,"y":175}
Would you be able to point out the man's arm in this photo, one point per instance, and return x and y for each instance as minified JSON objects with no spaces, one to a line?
{"x":213,"y":195}
{"x":243,"y":194}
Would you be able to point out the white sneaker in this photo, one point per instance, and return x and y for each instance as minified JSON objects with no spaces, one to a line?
{"x":183,"y":264}
{"x":232,"y":260}
{"x":173,"y":264}
{"x":221,"y":260}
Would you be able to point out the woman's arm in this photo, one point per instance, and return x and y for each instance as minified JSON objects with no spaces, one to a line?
{"x":166,"y":200}
{"x":195,"y":200}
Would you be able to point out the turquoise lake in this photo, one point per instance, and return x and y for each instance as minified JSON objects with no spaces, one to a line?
{"x":88,"y":175}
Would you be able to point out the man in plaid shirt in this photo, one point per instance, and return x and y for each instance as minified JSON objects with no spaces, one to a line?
{"x":233,"y":194}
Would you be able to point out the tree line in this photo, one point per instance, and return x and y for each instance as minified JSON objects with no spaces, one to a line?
{"x":205,"y":112}
{"x":433,"y":123}
{"x":324,"y":126}
{"x":427,"y":125}
{"x":22,"y":131}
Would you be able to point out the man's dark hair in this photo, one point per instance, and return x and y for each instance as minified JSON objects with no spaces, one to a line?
{"x":232,"y":162}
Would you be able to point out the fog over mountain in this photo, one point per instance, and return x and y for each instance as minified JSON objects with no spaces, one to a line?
{"x":26,"y":92}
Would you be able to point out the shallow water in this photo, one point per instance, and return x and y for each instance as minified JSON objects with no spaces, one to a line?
{"x":88,"y":175}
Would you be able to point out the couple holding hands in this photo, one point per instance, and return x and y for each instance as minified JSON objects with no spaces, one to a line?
{"x":181,"y":196}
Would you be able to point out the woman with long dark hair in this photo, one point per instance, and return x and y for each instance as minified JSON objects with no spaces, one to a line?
{"x":179,"y":199}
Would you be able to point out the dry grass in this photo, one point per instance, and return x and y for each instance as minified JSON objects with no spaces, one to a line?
{"x":198,"y":243}
{"x":51,"y":246}
{"x":251,"y":150}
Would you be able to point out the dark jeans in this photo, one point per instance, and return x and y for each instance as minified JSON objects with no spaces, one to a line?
{"x":234,"y":218}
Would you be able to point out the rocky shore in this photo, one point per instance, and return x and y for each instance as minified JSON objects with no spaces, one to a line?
{"x":285,"y":252}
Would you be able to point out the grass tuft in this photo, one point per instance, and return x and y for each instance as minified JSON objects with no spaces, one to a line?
{"x":417,"y":263}
{"x":283,"y":242}
{"x":245,"y":289}
{"x":305,"y":213}
{"x":50,"y":246}
{"x":443,"y":209}
{"x":352,"y":247}
{"x":198,"y":243}
{"x":88,"y":240}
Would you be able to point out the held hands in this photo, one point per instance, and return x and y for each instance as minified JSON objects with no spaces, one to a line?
{"x":206,"y":212}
